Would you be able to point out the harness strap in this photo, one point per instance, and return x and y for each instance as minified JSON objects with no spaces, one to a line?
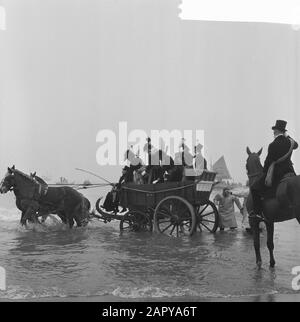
{"x":42,"y":189}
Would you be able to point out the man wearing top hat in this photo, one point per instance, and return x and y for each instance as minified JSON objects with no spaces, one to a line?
{"x":277,"y":149}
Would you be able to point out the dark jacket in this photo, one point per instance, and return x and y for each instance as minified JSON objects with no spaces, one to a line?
{"x":277,"y":149}
{"x":128,"y":175}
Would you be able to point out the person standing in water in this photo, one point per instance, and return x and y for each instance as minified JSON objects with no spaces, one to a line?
{"x":226,"y":209}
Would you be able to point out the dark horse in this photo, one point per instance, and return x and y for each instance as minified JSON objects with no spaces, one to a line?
{"x":281,"y":204}
{"x":45,"y":210}
{"x":35,"y":199}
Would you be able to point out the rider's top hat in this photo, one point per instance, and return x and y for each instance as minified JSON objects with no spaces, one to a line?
{"x":280,"y":125}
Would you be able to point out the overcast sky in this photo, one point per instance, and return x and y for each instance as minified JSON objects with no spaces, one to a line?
{"x":69,"y":68}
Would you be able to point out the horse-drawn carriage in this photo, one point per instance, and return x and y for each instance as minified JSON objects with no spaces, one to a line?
{"x":173,"y":208}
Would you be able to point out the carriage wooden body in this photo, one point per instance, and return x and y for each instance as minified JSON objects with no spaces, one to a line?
{"x":173,"y":208}
{"x":148,"y":196}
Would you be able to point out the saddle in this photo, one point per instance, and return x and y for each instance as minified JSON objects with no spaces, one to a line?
{"x":281,"y":191}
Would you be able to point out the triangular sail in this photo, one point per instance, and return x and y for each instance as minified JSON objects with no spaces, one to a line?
{"x":221,"y":169}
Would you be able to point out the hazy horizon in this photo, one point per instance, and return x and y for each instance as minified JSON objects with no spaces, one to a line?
{"x":71,"y":68}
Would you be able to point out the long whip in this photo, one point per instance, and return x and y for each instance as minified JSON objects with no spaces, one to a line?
{"x":95,"y":175}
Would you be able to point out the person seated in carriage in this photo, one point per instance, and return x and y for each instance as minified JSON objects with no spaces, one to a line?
{"x":135,"y":163}
{"x":153,"y":172}
{"x":111,"y":201}
{"x":184,"y":162}
{"x":172,"y":171}
{"x":167,"y":165}
{"x":160,"y":165}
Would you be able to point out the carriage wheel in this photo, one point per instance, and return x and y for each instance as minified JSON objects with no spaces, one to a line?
{"x":136,"y":221}
{"x":174,"y":216}
{"x":207,"y":217}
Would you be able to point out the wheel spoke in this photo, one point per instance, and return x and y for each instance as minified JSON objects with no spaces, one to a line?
{"x":185,"y":219}
{"x":136,"y":221}
{"x":202,"y":209}
{"x":174,"y":212}
{"x":163,"y":221}
{"x":208,"y":220}
{"x":172,"y":229}
{"x":126,"y":225}
{"x":164,"y":214}
{"x":205,"y":226}
{"x":207,"y":217}
{"x":210,"y":213}
{"x":166,"y":228}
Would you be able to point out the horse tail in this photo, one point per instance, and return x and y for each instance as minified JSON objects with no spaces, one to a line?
{"x":293,"y":191}
{"x":293,"y":194}
{"x":87,"y":204}
{"x":90,"y":213}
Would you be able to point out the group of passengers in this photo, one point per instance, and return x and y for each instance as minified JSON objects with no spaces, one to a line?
{"x":161,"y":166}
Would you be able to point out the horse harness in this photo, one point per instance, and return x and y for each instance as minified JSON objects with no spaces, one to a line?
{"x":42,"y":190}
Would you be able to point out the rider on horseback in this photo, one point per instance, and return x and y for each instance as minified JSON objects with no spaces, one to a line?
{"x":279,"y":159}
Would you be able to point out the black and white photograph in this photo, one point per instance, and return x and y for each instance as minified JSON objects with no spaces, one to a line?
{"x":149,"y":153}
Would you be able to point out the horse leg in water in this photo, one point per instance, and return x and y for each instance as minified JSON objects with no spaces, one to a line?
{"x":44,"y":214}
{"x":77,"y":218}
{"x":29,"y":214}
{"x":81,"y":213}
{"x":22,"y":217}
{"x":62,"y":216}
{"x":69,"y":220}
{"x":254,"y":224}
{"x":270,"y":242}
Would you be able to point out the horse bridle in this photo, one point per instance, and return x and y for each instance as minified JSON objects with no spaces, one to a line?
{"x":10,"y":189}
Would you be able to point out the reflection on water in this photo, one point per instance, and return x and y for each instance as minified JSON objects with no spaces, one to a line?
{"x":98,"y":260}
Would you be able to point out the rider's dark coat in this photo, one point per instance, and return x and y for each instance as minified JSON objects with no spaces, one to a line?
{"x":277,"y":149}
